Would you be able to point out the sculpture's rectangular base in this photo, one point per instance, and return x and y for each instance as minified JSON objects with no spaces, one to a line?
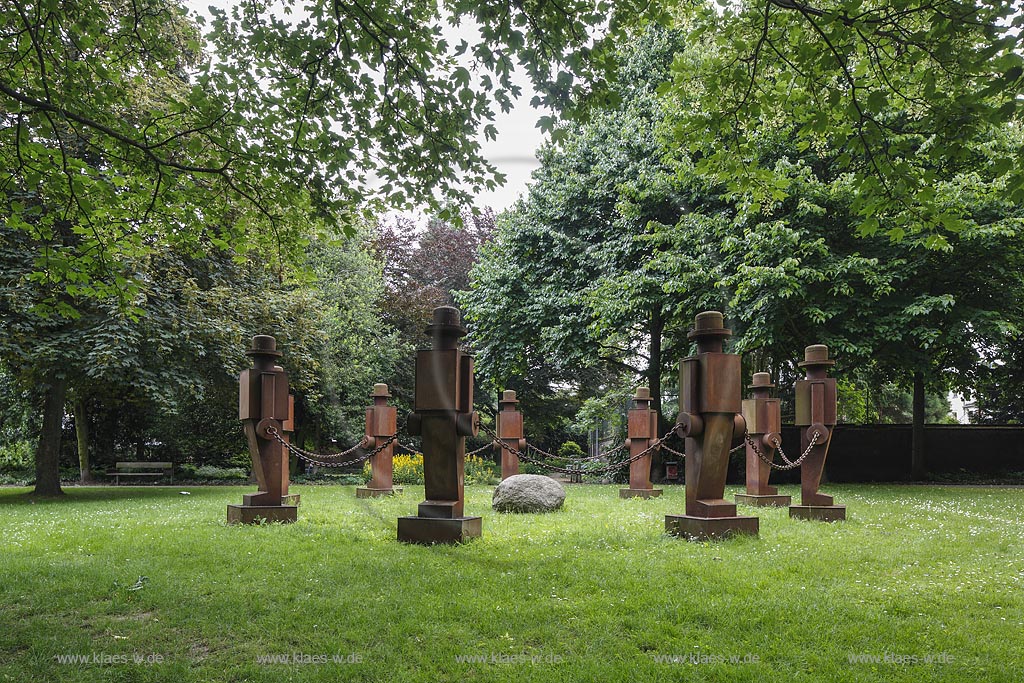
{"x":367,"y":492}
{"x":252,"y":514}
{"x":291,"y":499}
{"x":430,"y":530}
{"x":705,"y":528}
{"x":763,"y":500}
{"x":818,"y":513}
{"x":640,"y":493}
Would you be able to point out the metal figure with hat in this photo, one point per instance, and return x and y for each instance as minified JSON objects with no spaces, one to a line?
{"x":264,"y":406}
{"x":510,"y":432}
{"x":443,"y":415}
{"x":763,"y":416}
{"x":381,"y":425}
{"x":642,"y":430}
{"x":709,"y":417}
{"x":816,"y":413}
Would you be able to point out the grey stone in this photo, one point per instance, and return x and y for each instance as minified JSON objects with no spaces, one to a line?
{"x":528,"y":493}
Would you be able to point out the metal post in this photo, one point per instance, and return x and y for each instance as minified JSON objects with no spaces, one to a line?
{"x":443,"y":416}
{"x":381,"y":424}
{"x":763,"y":416}
{"x":264,"y":406}
{"x":510,"y":431}
{"x":710,"y":419}
{"x":816,"y":407}
{"x":642,"y":429}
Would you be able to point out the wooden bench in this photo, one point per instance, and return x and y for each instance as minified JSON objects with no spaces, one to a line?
{"x":141,"y":469}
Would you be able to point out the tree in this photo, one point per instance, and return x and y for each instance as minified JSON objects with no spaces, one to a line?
{"x":116,"y":128}
{"x":998,"y":384}
{"x":909,"y":92}
{"x":561,"y":295}
{"x":794,"y":273}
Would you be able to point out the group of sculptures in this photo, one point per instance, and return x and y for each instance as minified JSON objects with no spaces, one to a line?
{"x":713,"y":418}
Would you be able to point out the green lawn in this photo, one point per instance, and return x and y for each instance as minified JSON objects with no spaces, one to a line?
{"x":594,"y":592}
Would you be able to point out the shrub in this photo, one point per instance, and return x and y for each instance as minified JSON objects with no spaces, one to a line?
{"x":530,"y":468}
{"x":480,"y":471}
{"x":408,"y":469}
{"x":17,"y":457}
{"x":570,"y":449}
{"x":211,"y":472}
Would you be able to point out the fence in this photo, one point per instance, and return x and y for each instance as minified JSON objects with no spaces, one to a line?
{"x":881,"y":453}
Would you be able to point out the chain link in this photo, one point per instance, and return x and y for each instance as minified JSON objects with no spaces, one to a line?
{"x":318,"y":459}
{"x":655,"y":445}
{"x":778,"y":446}
{"x":569,"y":458}
{"x":673,"y":451}
{"x":479,"y":450}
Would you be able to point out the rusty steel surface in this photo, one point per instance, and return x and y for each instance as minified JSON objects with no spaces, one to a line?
{"x":511,"y":434}
{"x":712,"y":388}
{"x":764,"y":423}
{"x":642,"y":431}
{"x":381,"y":426}
{"x":264,"y":405}
{"x":710,"y":401}
{"x":443,"y":416}
{"x":816,"y":412}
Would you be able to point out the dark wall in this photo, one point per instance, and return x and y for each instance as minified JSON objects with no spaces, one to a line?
{"x":865,"y":453}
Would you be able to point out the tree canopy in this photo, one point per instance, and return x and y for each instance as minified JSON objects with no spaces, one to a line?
{"x":908,"y":93}
{"x":117,"y":123}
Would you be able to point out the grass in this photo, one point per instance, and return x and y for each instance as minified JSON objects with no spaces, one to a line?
{"x":594,"y":592}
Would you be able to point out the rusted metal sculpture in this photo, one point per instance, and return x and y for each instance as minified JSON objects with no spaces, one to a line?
{"x":264,"y":406}
{"x":381,"y":424}
{"x":510,"y":432}
{"x":287,"y":428}
{"x":764,"y":425}
{"x":443,"y":415}
{"x":641,"y":430}
{"x":816,"y":412}
{"x":710,"y":419}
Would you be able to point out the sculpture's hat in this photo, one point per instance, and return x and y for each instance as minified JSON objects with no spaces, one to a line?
{"x":509,"y":396}
{"x":642,"y":394}
{"x":816,"y":354}
{"x":263,"y":345}
{"x":446,"y":319}
{"x":380,"y":391}
{"x":709,"y":324}
{"x":762,"y":380}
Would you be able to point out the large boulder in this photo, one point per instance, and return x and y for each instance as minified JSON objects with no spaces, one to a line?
{"x":528,"y":493}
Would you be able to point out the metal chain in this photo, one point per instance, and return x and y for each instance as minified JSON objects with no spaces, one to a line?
{"x":408,"y":449}
{"x":563,"y":470}
{"x":789,"y":464}
{"x":569,"y":458}
{"x":479,"y":450}
{"x":673,"y":451}
{"x":312,"y":458}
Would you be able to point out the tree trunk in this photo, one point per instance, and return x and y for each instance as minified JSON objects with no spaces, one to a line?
{"x":917,"y":458}
{"x":654,"y":366}
{"x":654,"y":384}
{"x":82,"y":434}
{"x":48,"y":452}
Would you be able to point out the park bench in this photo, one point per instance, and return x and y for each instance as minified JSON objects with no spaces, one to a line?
{"x":141,"y":469}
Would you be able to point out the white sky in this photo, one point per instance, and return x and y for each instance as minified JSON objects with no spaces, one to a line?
{"x":513,"y":153}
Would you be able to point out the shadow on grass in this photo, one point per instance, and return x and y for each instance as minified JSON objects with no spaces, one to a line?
{"x":105,"y":494}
